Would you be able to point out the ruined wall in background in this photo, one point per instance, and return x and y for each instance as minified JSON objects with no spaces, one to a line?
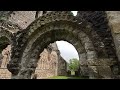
{"x":50,"y":63}
{"x":5,"y":57}
{"x":62,"y":67}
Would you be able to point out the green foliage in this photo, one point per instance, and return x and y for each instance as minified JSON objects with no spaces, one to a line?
{"x":73,"y":65}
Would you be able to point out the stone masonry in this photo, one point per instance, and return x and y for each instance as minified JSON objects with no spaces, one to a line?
{"x":50,"y":63}
{"x":4,"y":73}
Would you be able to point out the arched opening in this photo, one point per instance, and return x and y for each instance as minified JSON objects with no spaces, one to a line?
{"x":67,"y":50}
{"x":51,"y":36}
{"x":69,"y":53}
{"x":54,"y":61}
{"x":5,"y":49}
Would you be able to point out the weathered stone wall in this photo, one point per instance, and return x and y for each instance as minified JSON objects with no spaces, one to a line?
{"x":97,"y":41}
{"x":47,"y":64}
{"x":103,"y":43}
{"x":47,"y":59}
{"x":50,"y":63}
{"x":114,"y":23}
{"x":22,"y":18}
{"x":62,"y":67}
{"x":100,"y":69}
{"x":44,"y":73}
{"x":4,"y":73}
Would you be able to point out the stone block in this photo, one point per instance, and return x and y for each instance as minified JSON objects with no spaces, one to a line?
{"x":91,"y":55}
{"x":83,"y":59}
{"x":5,"y":74}
{"x":84,"y":71}
{"x":93,"y":72}
{"x":89,"y":46}
{"x":104,"y":71}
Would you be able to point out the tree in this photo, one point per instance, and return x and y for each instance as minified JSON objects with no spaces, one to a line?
{"x":73,"y":65}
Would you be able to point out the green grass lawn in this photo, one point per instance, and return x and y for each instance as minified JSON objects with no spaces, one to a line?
{"x":65,"y":77}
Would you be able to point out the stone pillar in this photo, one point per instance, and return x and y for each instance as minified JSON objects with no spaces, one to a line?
{"x":24,"y":74}
{"x":13,"y":68}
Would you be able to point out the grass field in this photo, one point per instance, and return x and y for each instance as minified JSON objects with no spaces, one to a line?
{"x":65,"y":77}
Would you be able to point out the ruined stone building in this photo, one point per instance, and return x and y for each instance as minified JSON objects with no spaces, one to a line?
{"x":94,"y":34}
{"x":49,"y":61}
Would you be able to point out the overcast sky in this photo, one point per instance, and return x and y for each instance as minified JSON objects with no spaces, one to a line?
{"x":67,"y":50}
{"x":74,"y":12}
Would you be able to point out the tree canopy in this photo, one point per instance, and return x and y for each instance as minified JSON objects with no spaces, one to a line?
{"x":73,"y":65}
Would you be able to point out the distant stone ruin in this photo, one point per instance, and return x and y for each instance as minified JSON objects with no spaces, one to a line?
{"x":50,"y":63}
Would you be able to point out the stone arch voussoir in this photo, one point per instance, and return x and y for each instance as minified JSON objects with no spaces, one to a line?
{"x":70,"y":39}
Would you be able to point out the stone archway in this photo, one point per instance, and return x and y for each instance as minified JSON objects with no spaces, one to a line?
{"x":45,"y":30}
{"x":32,"y":58}
{"x":53,"y":26}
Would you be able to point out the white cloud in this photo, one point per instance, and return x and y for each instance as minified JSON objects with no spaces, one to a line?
{"x":67,"y":50}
